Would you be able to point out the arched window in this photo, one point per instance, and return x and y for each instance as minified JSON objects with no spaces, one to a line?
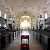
{"x":45,"y":15}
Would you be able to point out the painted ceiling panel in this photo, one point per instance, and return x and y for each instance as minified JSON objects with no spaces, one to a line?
{"x":17,"y":6}
{"x":1,"y":1}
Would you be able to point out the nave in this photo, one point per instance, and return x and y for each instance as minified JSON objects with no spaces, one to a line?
{"x":29,"y":16}
{"x":33,"y":44}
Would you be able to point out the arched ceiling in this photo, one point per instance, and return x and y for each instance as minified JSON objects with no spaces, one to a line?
{"x":17,"y":6}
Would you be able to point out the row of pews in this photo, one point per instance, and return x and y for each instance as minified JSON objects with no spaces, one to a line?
{"x":43,"y":37}
{"x":6,"y":37}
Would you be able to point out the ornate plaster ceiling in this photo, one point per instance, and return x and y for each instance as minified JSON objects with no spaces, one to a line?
{"x":17,"y":6}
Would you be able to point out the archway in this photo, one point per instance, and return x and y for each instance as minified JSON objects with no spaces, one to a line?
{"x":25,"y":22}
{"x":31,"y":18}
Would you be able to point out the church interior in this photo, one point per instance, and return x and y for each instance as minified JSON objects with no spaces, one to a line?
{"x":24,"y":24}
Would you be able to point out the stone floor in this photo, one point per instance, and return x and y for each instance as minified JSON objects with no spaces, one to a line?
{"x":33,"y":44}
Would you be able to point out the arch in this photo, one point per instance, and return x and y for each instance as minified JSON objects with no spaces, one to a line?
{"x":24,"y":13}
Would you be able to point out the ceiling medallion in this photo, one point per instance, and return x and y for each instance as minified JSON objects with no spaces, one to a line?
{"x":25,"y":1}
{"x":25,"y":12}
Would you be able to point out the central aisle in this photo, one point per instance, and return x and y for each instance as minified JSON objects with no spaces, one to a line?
{"x":33,"y":44}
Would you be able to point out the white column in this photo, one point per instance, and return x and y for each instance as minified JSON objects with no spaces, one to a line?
{"x":38,"y":24}
{"x":5,"y":16}
{"x":43,"y":20}
{"x":0,"y":13}
{"x":0,"y":24}
{"x":12,"y":21}
{"x":46,"y":16}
